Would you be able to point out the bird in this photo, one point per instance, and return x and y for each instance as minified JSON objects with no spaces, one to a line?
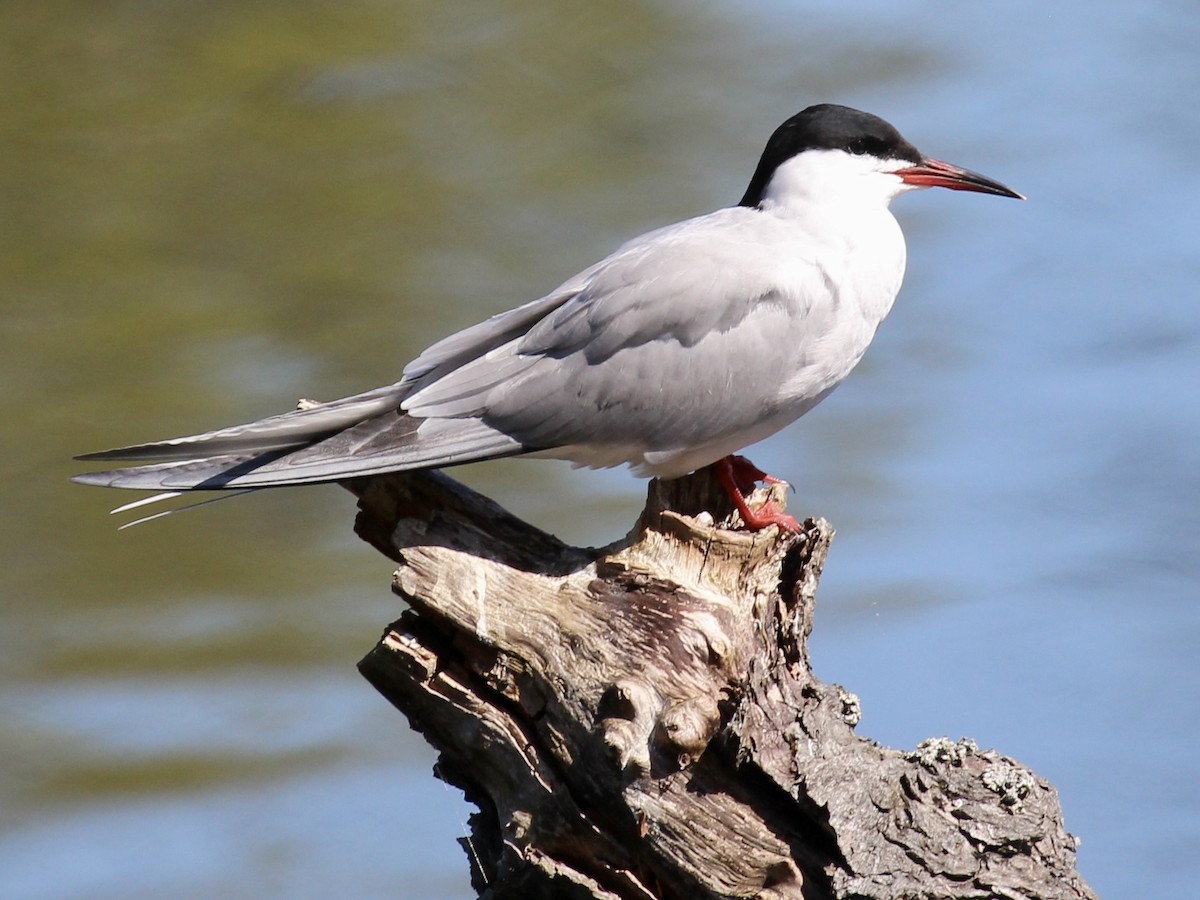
{"x":684,"y":346}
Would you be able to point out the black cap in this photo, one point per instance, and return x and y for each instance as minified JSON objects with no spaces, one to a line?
{"x":827,"y":126}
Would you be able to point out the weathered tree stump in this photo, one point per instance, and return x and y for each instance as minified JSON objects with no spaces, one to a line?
{"x":640,"y":721}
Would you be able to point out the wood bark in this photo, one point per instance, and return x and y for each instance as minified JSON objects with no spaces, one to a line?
{"x":641,"y":721}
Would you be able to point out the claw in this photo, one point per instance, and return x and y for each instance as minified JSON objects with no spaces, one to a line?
{"x":739,"y":476}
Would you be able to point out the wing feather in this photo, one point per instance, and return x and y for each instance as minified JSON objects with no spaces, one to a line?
{"x":672,"y":343}
{"x":681,"y":341}
{"x":387,"y":443}
{"x":279,"y":432}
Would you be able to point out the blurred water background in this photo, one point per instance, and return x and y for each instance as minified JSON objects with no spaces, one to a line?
{"x":210,"y":210}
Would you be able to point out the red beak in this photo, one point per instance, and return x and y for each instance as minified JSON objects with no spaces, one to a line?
{"x":935,"y":173}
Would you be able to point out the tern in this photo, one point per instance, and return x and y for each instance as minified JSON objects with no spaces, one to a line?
{"x":684,"y":346}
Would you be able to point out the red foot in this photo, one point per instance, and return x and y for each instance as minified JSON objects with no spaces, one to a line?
{"x":739,"y":476}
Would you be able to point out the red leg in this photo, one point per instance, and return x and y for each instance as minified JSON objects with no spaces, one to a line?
{"x":747,"y":474}
{"x":738,"y":476}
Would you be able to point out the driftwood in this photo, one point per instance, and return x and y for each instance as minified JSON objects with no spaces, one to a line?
{"x":640,"y":721}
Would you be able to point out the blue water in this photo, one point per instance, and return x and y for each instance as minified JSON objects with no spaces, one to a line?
{"x":218,"y":213}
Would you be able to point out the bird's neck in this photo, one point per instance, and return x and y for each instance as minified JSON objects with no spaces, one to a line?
{"x":861,"y":245}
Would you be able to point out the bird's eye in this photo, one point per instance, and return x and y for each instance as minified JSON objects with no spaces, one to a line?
{"x":862,"y":146}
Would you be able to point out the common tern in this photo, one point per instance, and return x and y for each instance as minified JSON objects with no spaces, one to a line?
{"x":684,"y":346}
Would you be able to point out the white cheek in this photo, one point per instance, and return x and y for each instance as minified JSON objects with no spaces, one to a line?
{"x":833,"y":176}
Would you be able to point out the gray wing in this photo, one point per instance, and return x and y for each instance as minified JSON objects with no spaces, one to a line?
{"x":679,"y":339}
{"x":469,"y":344}
{"x":682,"y":340}
{"x":386,"y":443}
{"x":363,"y":434}
{"x":280,"y":432}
